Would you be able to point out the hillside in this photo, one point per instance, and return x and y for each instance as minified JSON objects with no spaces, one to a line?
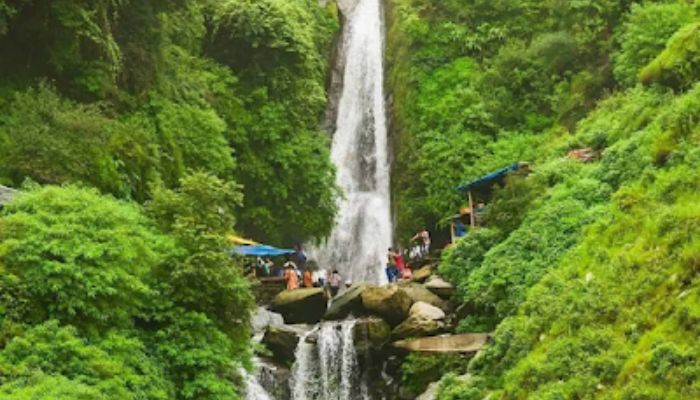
{"x":586,"y":272}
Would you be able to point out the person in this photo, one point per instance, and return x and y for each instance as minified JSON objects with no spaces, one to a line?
{"x":300,"y":257}
{"x":407,"y":273}
{"x":414,"y":255}
{"x":334,"y":282}
{"x":290,"y":264}
{"x":424,"y":238}
{"x":322,"y":277}
{"x":291,"y":276}
{"x":391,"y":266}
{"x":267,"y":266}
{"x":399,"y":262}
{"x":307,"y":279}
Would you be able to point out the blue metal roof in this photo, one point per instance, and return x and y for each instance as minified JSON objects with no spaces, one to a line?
{"x":486,"y":179}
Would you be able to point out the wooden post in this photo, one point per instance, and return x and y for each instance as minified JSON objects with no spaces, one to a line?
{"x":453,"y":234}
{"x":472,"y":212}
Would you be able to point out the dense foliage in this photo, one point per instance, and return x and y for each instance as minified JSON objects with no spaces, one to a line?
{"x":91,"y":281}
{"x":586,"y":271}
{"x":121,"y":95}
{"x":142,"y":134}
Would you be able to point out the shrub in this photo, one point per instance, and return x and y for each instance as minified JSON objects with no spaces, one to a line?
{"x":644,"y":34}
{"x":118,"y":367}
{"x":75,"y":256}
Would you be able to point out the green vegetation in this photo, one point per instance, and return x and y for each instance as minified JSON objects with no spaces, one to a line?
{"x":142,"y":134}
{"x":586,"y":272}
{"x":121,"y":96}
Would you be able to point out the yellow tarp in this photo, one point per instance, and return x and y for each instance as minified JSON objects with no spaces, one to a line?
{"x":240,"y":241}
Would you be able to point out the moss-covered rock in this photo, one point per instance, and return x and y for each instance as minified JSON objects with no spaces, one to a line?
{"x":346,"y":303}
{"x":389,"y":302}
{"x":370,"y":333}
{"x":282,"y":342}
{"x":418,"y":292}
{"x":301,"y":305}
{"x":424,"y":320}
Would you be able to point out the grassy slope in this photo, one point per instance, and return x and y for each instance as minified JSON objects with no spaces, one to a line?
{"x":593,"y":291}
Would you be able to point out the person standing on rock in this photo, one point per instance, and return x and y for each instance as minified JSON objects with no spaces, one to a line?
{"x":290,"y":275}
{"x":308,"y":283}
{"x":424,"y":239}
{"x":334,"y":282}
{"x":322,"y":277}
{"x":391,"y":271}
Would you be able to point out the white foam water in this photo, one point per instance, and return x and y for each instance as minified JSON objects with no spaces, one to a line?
{"x":328,"y":369}
{"x":362,"y":234}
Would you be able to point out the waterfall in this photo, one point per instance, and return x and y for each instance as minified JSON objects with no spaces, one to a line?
{"x":328,"y":369}
{"x":362,"y":234}
{"x":253,"y":389}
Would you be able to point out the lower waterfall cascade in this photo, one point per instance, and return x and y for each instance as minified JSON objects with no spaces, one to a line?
{"x":326,"y":366}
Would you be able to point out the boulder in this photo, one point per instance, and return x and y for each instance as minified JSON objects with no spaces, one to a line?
{"x":370,"y":333}
{"x":389,"y":302}
{"x":427,"y":311}
{"x":346,"y":303}
{"x":418,"y":292}
{"x":422,"y":274}
{"x":262,"y":318}
{"x":282,"y":342}
{"x":469,"y":343}
{"x":440,"y":287}
{"x":424,"y":320}
{"x":301,"y":306}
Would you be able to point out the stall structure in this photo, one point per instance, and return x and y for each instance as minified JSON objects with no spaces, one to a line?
{"x":485,"y":181}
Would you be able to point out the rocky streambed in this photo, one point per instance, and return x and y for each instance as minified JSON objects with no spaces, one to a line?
{"x":352,"y":346}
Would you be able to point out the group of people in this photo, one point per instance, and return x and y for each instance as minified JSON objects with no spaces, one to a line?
{"x":312,"y":277}
{"x":299,"y":273}
{"x":303,"y":274}
{"x":396,"y":267}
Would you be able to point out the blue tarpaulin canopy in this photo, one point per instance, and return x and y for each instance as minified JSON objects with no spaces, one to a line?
{"x":261,"y":250}
{"x":486,"y":179}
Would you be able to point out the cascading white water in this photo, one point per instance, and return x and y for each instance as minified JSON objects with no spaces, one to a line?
{"x":328,"y":369}
{"x":362,"y":234}
{"x":253,"y":389}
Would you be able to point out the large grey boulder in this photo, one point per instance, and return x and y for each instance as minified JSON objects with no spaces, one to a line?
{"x":261,"y":318}
{"x":282,"y":342}
{"x":346,"y":303}
{"x":440,"y":287}
{"x":389,"y":302}
{"x":301,"y":306}
{"x":370,"y":334}
{"x":468,"y":343}
{"x":424,"y":320}
{"x":417,"y":292}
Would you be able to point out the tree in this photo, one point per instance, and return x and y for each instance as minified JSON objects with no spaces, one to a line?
{"x":204,"y":277}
